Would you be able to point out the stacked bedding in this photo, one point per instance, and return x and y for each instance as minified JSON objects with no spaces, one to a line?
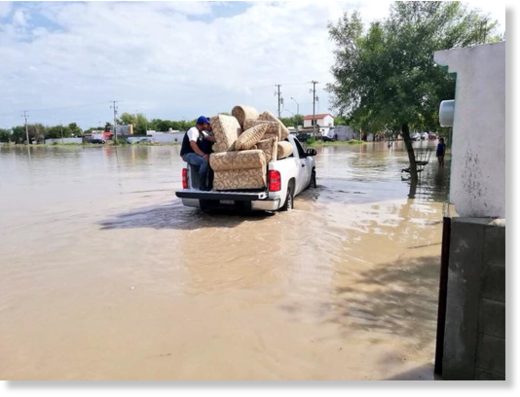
{"x":245,"y":143}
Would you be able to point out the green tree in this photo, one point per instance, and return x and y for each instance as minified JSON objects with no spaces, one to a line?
{"x":74,"y":130}
{"x":36,"y":132}
{"x":18,"y":135}
{"x":385,"y":77}
{"x":138,"y":121}
{"x":292,"y":121}
{"x":141,"y":124}
{"x":5,"y":135}
{"x":160,"y":125}
{"x":54,"y":132}
{"x":127,"y":118}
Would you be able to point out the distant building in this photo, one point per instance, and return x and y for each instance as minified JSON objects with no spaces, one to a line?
{"x":165,"y":137}
{"x":344,"y":133}
{"x":124,"y":130}
{"x":325,"y":120}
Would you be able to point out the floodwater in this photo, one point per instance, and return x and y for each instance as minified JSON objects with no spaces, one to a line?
{"x":105,"y":275}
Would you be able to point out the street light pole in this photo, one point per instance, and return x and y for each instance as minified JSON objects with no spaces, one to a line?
{"x":297,"y":106}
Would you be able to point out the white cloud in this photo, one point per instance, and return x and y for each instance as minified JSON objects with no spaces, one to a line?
{"x":165,"y":59}
{"x":5,"y":8}
{"x":20,"y":18}
{"x":155,"y":58}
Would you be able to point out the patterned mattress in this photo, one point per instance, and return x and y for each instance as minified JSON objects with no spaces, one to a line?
{"x":268,"y":116}
{"x":226,"y":130}
{"x":242,"y":160}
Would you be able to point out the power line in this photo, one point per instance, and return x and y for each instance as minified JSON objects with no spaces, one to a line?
{"x":34,"y":110}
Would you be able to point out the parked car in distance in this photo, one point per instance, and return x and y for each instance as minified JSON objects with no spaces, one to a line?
{"x":142,"y":140}
{"x":415,"y":136}
{"x":98,"y":138}
{"x":303,"y":136}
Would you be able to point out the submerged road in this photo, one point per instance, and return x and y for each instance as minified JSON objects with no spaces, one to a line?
{"x":105,"y":275}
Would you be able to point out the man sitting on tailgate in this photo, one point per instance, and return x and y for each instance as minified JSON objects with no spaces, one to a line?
{"x":196,"y":147}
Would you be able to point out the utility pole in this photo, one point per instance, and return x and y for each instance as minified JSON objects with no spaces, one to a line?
{"x":26,"y":127}
{"x":314,"y":99}
{"x":280,"y":99}
{"x":114,"y":107}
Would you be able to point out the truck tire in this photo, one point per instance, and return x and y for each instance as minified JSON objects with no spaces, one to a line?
{"x":312,"y":182}
{"x":289,"y":199}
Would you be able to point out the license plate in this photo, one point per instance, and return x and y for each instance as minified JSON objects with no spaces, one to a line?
{"x":228,"y":202}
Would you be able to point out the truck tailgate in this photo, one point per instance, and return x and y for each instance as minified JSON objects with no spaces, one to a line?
{"x":235,"y":196}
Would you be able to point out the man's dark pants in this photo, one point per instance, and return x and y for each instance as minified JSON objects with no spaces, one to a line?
{"x":202,"y":166}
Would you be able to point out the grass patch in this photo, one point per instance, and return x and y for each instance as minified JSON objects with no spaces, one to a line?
{"x":316,"y":143}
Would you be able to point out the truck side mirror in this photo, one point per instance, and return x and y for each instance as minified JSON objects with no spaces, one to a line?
{"x":311,"y":152}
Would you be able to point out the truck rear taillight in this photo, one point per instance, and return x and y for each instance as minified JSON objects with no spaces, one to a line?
{"x":184,"y":178}
{"x":275,"y":181}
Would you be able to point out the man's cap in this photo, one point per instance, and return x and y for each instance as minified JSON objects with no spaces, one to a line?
{"x":202,"y":120}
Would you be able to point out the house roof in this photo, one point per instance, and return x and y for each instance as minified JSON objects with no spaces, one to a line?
{"x":317,"y":116}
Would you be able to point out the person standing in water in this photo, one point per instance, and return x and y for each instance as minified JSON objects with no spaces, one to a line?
{"x":441,"y":150}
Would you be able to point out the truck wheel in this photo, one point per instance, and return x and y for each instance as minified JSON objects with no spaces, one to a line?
{"x":289,"y":199}
{"x":313,"y":180}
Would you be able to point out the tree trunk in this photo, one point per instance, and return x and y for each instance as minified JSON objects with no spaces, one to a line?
{"x":411,"y":155}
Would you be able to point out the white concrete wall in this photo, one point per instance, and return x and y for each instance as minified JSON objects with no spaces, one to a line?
{"x":165,"y":137}
{"x":477,"y":186}
{"x":327,"y":121}
{"x":345,"y":133}
{"x":50,"y":141}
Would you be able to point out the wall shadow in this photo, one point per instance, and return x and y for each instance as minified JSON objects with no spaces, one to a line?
{"x":398,"y":298}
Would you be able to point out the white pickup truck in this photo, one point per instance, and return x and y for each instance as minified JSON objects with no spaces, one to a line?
{"x":286,"y":178}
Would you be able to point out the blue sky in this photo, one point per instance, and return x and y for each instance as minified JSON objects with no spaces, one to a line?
{"x":65,"y":61}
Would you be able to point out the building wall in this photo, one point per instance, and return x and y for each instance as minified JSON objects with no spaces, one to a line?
{"x":51,"y":141}
{"x":125,"y":129}
{"x":325,"y":122}
{"x":475,"y":338}
{"x":345,"y":133}
{"x":165,"y":137}
{"x":473,"y":345}
{"x":307,"y":123}
{"x":478,"y":149}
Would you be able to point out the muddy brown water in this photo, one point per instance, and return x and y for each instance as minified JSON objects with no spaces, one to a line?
{"x":105,"y":275}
